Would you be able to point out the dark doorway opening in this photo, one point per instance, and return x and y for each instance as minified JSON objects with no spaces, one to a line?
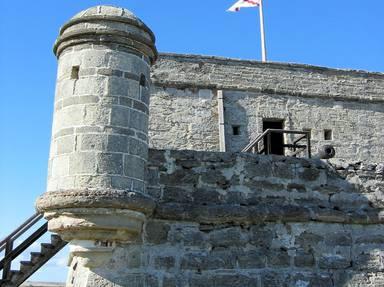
{"x":277,"y":139}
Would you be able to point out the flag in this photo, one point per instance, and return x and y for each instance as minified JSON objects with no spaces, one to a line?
{"x":244,"y":3}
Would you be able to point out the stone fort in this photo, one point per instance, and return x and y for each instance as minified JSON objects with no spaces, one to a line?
{"x":151,"y":185}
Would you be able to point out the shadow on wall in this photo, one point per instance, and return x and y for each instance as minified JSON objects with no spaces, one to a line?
{"x":237,"y":125}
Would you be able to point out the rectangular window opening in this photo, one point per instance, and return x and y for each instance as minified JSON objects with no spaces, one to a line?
{"x":75,"y":72}
{"x":236,"y":130}
{"x":328,"y":135}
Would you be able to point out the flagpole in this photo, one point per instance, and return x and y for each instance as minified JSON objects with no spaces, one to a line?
{"x":263,"y":45}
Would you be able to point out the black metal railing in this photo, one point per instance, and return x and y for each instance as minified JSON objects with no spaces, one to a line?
{"x":12,"y":252}
{"x":263,"y":143}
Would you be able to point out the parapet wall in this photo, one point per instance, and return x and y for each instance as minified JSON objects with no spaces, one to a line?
{"x":191,"y":71}
{"x":185,"y":109}
{"x":226,"y":219}
{"x":221,"y":188}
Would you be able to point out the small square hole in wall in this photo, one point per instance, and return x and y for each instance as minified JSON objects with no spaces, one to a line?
{"x":328,"y":136}
{"x":236,"y":130}
{"x":75,"y":72}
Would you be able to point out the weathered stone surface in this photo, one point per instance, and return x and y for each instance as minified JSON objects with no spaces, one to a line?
{"x":305,"y":97}
{"x":156,"y":232}
{"x":208,"y":218}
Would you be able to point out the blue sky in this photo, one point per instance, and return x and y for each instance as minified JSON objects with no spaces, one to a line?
{"x":342,"y":34}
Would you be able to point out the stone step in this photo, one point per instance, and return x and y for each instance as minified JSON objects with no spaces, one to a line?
{"x":36,"y":257}
{"x":15,"y":275}
{"x":56,"y":240}
{"x":47,"y":248}
{"x":25,"y":266}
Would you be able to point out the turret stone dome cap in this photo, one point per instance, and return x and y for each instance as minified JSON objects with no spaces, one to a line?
{"x":107,"y":24}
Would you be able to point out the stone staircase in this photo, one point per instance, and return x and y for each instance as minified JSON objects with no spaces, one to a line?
{"x":11,"y":278}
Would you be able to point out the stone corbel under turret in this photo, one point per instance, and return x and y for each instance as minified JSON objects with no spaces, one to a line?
{"x":94,"y":232}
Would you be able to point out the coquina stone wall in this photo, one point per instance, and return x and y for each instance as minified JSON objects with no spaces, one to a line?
{"x":184,"y":119}
{"x":226,"y":219}
{"x":184,"y":108}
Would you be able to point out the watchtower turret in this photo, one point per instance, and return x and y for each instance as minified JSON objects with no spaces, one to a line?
{"x":96,"y":191}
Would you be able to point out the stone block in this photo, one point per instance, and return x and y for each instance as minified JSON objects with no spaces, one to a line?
{"x":273,"y":279}
{"x":224,"y":280}
{"x":213,"y":177}
{"x":283,"y":170}
{"x":308,"y":239}
{"x":127,"y":102}
{"x":134,"y":166}
{"x":261,"y":236}
{"x":164,"y":262}
{"x":203,"y":261}
{"x":154,"y":192}
{"x":370,"y":239}
{"x":64,"y":88}
{"x":170,"y":281}
{"x":252,"y":259}
{"x":63,"y":132}
{"x":152,"y":176}
{"x":140,"y":107}
{"x":91,"y":142}
{"x":96,"y":115}
{"x":307,"y":279}
{"x":189,"y":236}
{"x":135,"y":280}
{"x":334,"y":262}
{"x":156,"y":232}
{"x":258,"y":168}
{"x":68,"y":117}
{"x":152,"y":281}
{"x":338,"y":239}
{"x":120,"y":116}
{"x":117,"y":143}
{"x":186,"y":177}
{"x":142,"y":136}
{"x":138,"y":185}
{"x":206,"y":195}
{"x":227,"y":237}
{"x":278,"y":258}
{"x":88,"y":129}
{"x":110,"y":163}
{"x":109,"y":72}
{"x":65,"y":145}
{"x":145,"y":95}
{"x":137,"y":147}
{"x":296,"y":187}
{"x":304,"y":259}
{"x":95,"y":86}
{"x":93,"y":181}
{"x":82,"y":163}
{"x":264,"y":185}
{"x":108,"y":101}
{"x":95,"y":58}
{"x":309,"y":174}
{"x":118,"y":86}
{"x":131,"y":256}
{"x":138,"y":120}
{"x":118,"y":130}
{"x":122,"y":182}
{"x":130,"y":63}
